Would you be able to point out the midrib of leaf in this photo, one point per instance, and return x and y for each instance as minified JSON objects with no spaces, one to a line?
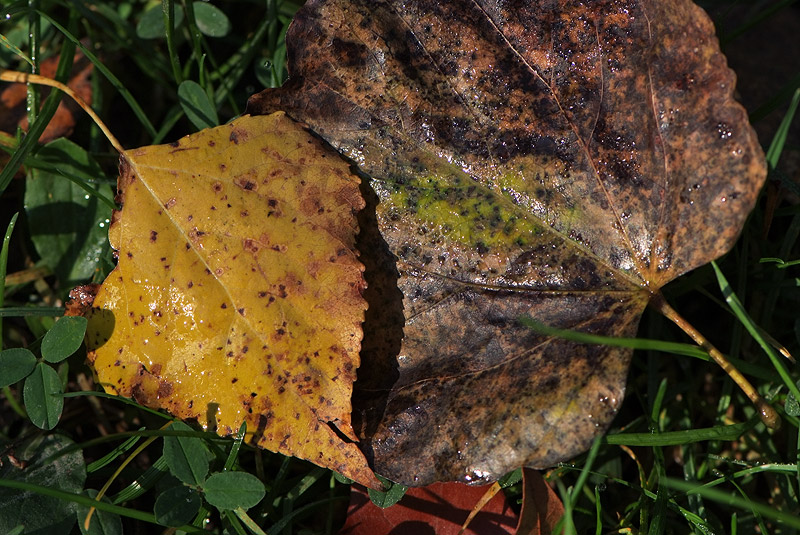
{"x":620,"y":227}
{"x":186,"y":238}
{"x":659,"y":231}
{"x":136,"y":170}
{"x":174,"y":223}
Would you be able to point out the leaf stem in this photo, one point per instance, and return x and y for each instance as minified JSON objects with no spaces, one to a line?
{"x":25,"y":78}
{"x":486,"y":498}
{"x":768,"y":415}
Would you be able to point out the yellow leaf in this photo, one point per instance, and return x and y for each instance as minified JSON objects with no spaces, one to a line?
{"x":237,"y":296}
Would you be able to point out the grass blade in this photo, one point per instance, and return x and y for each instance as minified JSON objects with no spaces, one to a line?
{"x":723,"y":497}
{"x":746,"y":320}
{"x":118,"y":85}
{"x":675,"y":438}
{"x":779,"y":139}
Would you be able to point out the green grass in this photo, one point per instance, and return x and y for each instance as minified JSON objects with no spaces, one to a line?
{"x":686,"y":454}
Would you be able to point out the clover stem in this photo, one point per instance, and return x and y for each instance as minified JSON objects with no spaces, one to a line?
{"x":768,"y":415}
{"x":28,"y":78}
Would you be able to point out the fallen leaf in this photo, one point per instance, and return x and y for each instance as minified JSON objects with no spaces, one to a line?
{"x":237,"y":295}
{"x":541,"y":507}
{"x":440,"y":509}
{"x":558,"y":160}
{"x":13,"y":100}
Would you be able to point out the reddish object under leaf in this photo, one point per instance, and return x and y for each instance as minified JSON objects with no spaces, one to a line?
{"x":541,"y":507}
{"x":440,"y":509}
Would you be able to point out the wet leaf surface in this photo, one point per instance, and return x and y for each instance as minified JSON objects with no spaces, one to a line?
{"x":177,"y":505}
{"x":237,"y":296}
{"x":559,"y":160}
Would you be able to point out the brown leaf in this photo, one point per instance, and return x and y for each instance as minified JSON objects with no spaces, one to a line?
{"x":440,"y":509}
{"x":561,"y":160}
{"x":541,"y":507}
{"x":237,"y":296}
{"x":13,"y":100}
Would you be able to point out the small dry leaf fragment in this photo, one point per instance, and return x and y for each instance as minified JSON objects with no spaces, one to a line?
{"x":440,"y":508}
{"x":13,"y":100}
{"x":560,"y":160}
{"x":237,"y":296}
{"x":541,"y":507}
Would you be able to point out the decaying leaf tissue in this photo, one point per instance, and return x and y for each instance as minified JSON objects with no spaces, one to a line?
{"x":558,"y":160}
{"x":562,"y":160}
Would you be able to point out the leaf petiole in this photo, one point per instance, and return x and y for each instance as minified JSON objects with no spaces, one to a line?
{"x":768,"y":415}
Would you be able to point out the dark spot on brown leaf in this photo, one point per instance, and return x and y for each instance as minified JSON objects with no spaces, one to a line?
{"x":553,"y":108}
{"x":164,"y":389}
